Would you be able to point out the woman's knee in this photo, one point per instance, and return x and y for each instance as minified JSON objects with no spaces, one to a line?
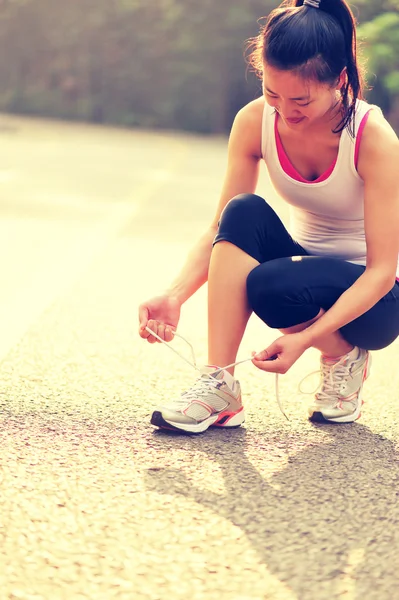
{"x":241,"y":224}
{"x":370,"y":338}
{"x":242,"y":207}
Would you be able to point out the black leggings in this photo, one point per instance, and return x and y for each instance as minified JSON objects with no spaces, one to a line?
{"x":290,"y":287}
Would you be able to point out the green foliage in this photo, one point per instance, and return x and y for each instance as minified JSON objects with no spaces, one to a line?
{"x":381,"y":45}
{"x":154,"y":63}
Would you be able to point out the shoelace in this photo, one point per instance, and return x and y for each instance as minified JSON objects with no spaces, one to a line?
{"x":200,"y":388}
{"x":329,"y":375}
{"x":194,"y":364}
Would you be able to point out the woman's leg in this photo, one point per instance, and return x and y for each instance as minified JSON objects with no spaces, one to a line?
{"x":289,"y":295}
{"x":228,"y":308}
{"x":286,"y":293}
{"x":249,"y":233}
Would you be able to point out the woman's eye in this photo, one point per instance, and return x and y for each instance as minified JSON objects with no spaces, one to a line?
{"x":306,"y":104}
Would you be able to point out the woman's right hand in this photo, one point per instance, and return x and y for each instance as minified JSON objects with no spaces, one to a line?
{"x":161,"y":314}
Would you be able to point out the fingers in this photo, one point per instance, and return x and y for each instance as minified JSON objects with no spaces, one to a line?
{"x":143,"y":321}
{"x":259,"y":356}
{"x":161,"y":331}
{"x":272,"y":365}
{"x":266,"y":355}
{"x":169,"y":335}
{"x":165,"y":332}
{"x":266,"y":361}
{"x":153,"y":325}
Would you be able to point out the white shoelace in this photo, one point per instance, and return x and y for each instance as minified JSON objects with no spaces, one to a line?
{"x":200,"y":388}
{"x":194,"y":364}
{"x":330,"y":375}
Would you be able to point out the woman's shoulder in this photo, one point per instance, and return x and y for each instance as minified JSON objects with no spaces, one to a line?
{"x":377,"y":128}
{"x":379,"y":142}
{"x":247,"y":127}
{"x":252,"y":113}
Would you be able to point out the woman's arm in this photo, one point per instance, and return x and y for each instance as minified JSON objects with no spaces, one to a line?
{"x":379,"y":168}
{"x":244,"y":155}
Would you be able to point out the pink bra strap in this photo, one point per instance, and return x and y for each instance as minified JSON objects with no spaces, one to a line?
{"x":359,"y":135}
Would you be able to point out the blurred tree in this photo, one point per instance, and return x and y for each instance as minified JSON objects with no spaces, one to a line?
{"x":381,"y":45}
{"x":158,"y":63}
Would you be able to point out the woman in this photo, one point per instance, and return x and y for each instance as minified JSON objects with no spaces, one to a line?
{"x":332,"y":281}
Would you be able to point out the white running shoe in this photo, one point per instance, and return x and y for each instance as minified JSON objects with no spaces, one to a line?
{"x":213,"y":401}
{"x":340,"y":397}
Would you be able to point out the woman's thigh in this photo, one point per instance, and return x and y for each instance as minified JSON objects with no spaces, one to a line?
{"x":290,"y":291}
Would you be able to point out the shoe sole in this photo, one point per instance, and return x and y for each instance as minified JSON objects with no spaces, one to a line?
{"x":318,"y":417}
{"x":227,"y":421}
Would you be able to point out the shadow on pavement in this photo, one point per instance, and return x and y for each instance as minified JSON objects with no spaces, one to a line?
{"x":331,"y":513}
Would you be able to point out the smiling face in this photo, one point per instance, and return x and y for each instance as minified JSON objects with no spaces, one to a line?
{"x":299,"y":102}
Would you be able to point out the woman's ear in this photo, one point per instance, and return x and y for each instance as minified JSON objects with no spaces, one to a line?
{"x":342,"y":79}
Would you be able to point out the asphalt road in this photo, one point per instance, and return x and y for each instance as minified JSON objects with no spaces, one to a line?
{"x":96,"y":504}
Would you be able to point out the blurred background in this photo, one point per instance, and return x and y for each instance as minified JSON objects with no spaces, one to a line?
{"x":174,"y":64}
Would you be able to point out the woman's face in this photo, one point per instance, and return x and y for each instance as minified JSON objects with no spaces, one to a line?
{"x":299,"y":102}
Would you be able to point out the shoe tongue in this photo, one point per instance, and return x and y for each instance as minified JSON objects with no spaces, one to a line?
{"x":219,"y":374}
{"x":353,"y":354}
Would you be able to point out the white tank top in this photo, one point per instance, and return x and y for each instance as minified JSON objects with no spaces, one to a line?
{"x":326,"y":217}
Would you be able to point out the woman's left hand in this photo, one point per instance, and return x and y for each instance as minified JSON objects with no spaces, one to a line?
{"x":281,"y":354}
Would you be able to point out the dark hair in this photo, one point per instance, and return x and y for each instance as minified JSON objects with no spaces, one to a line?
{"x":317,"y":43}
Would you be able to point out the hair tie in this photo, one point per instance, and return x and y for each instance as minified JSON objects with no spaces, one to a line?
{"x":313,"y":3}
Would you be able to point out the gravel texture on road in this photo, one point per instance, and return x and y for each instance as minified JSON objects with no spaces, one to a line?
{"x":97,"y":504}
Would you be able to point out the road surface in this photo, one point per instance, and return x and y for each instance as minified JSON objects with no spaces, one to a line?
{"x":96,"y":504}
